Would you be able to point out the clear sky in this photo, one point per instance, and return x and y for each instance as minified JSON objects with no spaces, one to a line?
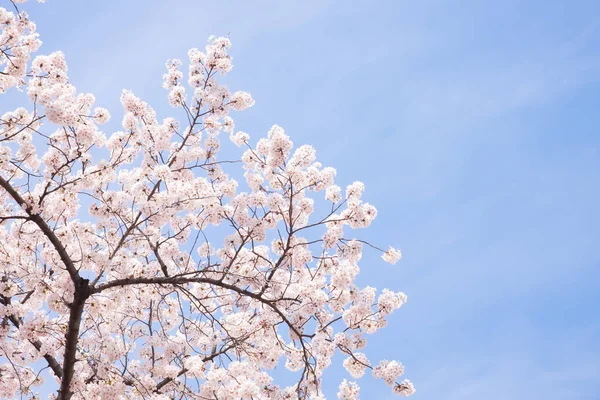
{"x":475,"y":126}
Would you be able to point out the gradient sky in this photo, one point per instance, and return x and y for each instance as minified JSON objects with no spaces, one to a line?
{"x":474,"y":125}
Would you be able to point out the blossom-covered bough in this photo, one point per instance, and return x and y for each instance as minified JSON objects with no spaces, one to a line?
{"x":108,"y":281}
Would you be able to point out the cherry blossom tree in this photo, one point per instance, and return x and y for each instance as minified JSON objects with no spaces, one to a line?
{"x":133,"y":266}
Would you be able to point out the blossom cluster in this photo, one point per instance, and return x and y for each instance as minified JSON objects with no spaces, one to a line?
{"x":18,"y":40}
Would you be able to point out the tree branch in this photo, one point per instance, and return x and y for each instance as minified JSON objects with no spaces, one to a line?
{"x":39,"y":221}
{"x":82,"y":292}
{"x":52,"y":363}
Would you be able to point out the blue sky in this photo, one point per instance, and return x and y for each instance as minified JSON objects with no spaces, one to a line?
{"x":474,"y":125}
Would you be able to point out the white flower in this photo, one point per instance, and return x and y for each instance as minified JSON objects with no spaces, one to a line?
{"x":392,"y":256}
{"x":348,"y":391}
